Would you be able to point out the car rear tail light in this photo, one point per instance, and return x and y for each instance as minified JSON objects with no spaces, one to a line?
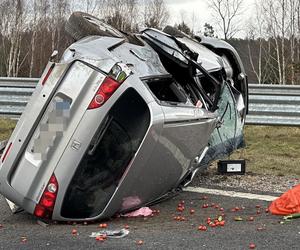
{"x":105,"y":91}
{"x":48,"y":74}
{"x":6,"y":152}
{"x":44,"y":208}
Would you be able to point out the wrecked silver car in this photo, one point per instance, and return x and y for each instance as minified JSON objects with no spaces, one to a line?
{"x":122,"y":121}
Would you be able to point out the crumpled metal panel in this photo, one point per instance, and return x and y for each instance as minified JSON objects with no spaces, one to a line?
{"x":228,"y":134}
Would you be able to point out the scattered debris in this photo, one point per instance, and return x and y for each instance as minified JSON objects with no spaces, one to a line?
{"x":235,"y":209}
{"x":202,"y":228}
{"x":13,"y":207}
{"x":179,"y":218}
{"x":143,"y":211}
{"x":103,"y":225}
{"x":116,"y":234}
{"x":291,"y":216}
{"x":261,"y":229}
{"x":23,"y":239}
{"x":155,"y":211}
{"x":222,"y":223}
{"x":252,"y":246}
{"x":251,"y":218}
{"x":238,"y":218}
{"x":205,"y":206}
{"x":74,"y":232}
{"x":219,"y":221}
{"x":180,"y":208}
{"x":100,"y":238}
{"x":42,"y":223}
{"x":139,"y":242}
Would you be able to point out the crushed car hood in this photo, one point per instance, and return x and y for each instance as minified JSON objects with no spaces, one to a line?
{"x":208,"y":60}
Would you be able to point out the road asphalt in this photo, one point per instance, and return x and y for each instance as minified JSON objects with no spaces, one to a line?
{"x":163,"y":230}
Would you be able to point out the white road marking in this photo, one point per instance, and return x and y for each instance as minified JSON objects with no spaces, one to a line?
{"x":230,"y":193}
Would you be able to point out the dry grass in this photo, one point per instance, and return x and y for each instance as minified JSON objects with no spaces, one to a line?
{"x":6,"y":128}
{"x":270,"y":149}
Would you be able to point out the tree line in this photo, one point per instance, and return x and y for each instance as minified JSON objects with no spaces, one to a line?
{"x":31,"y":29}
{"x":271,"y":49}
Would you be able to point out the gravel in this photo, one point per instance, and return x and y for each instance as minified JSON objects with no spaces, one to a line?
{"x":250,"y":182}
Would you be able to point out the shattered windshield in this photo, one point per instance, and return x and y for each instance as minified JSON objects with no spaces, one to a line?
{"x":228,"y":135}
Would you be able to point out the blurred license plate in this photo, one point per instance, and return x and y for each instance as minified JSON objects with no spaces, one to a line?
{"x":51,"y":127}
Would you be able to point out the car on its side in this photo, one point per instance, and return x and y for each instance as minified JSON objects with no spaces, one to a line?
{"x":123,"y":121}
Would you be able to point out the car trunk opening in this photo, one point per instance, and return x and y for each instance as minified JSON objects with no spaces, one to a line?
{"x":105,"y":161}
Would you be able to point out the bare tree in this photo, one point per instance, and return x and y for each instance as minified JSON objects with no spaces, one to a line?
{"x":58,"y":14}
{"x":92,"y":6}
{"x":155,"y":13}
{"x":292,"y":37}
{"x":13,"y":19}
{"x":194,"y":20}
{"x":256,"y":31}
{"x":276,"y":16}
{"x":276,"y":30}
{"x":33,"y":24}
{"x":227,"y":13}
{"x":121,"y":14}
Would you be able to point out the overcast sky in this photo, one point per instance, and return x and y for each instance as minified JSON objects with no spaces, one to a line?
{"x":202,"y":14}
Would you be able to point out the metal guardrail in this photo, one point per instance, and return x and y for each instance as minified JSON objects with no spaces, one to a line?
{"x":274,"y":105}
{"x":14,"y":95}
{"x":268,"y":104}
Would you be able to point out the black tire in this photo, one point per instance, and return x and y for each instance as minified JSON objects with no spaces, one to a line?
{"x":81,"y":24}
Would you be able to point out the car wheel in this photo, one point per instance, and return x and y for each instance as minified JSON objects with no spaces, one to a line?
{"x":81,"y":24}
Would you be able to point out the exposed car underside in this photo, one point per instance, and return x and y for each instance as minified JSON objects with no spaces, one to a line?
{"x":123,"y":120}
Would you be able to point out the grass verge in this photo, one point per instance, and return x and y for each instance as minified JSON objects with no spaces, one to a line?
{"x":271,"y":150}
{"x":6,"y":128}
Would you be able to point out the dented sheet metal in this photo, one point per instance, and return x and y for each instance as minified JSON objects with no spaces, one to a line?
{"x":122,"y":122}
